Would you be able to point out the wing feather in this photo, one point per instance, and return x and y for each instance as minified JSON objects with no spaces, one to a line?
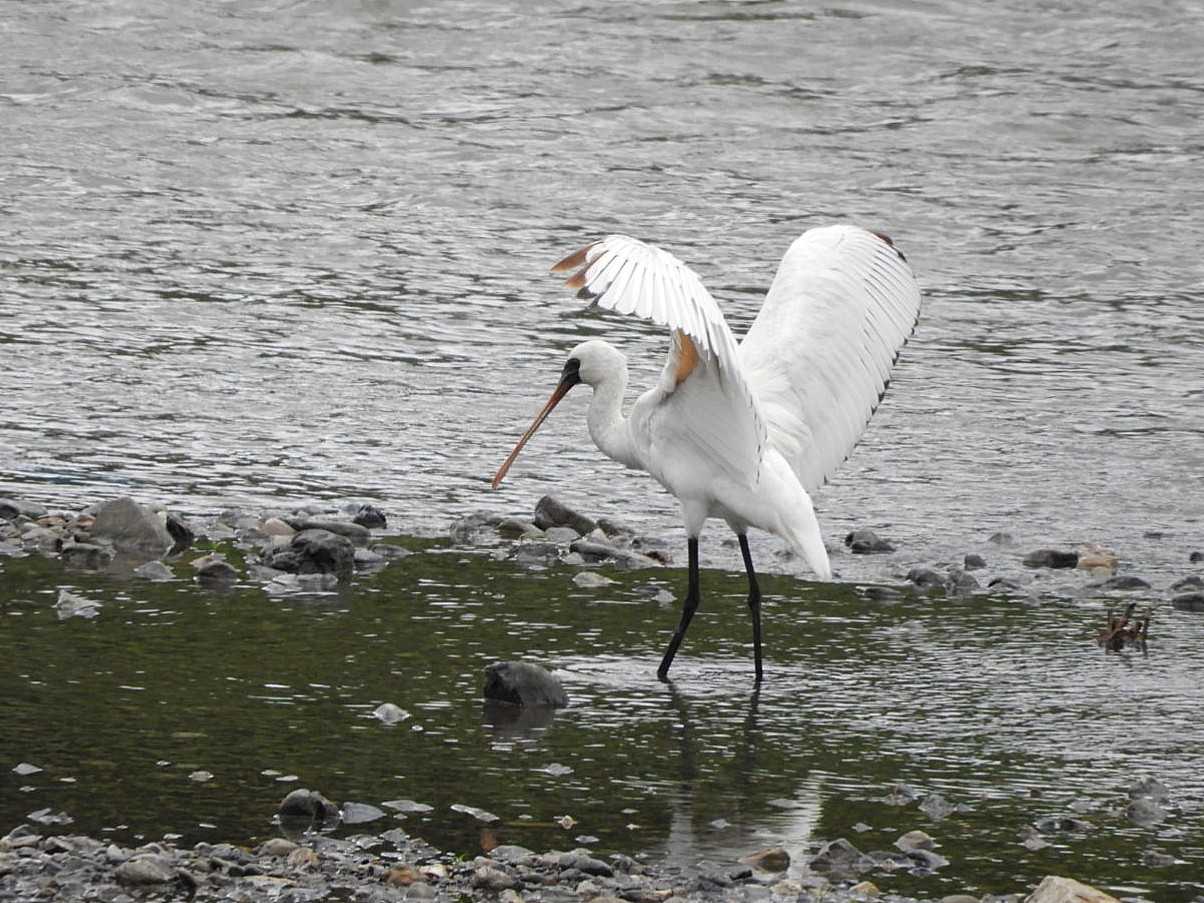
{"x":713,"y":403}
{"x":820,"y":352}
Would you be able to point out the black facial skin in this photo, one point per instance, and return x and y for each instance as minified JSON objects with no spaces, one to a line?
{"x":571,"y":375}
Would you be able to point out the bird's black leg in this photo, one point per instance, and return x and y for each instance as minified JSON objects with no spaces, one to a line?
{"x":687,"y":612}
{"x":754,"y":603}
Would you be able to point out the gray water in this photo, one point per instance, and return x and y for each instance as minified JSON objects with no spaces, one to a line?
{"x":259,"y":254}
{"x":256,"y":253}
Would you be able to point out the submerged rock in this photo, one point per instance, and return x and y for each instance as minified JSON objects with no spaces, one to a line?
{"x":521,"y":683}
{"x":1189,"y":602}
{"x":595,"y":552}
{"x":1125,"y":582}
{"x":974,"y":562}
{"x":773,"y":859}
{"x":468,"y":529}
{"x":867,"y":542}
{"x":216,"y":573}
{"x":841,"y":857}
{"x":155,"y":571}
{"x":69,"y":605}
{"x":390,"y":714}
{"x":86,"y":556}
{"x":1051,"y":558}
{"x":130,"y":527}
{"x":354,"y":532}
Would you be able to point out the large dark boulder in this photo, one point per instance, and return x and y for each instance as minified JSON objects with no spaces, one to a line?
{"x":551,"y":512}
{"x":314,"y":552}
{"x":520,"y":683}
{"x":1051,"y":558}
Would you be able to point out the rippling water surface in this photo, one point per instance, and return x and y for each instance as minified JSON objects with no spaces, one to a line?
{"x":256,"y":254}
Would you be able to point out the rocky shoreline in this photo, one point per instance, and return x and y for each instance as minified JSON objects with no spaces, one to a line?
{"x":393,"y":867}
{"x":315,"y":548}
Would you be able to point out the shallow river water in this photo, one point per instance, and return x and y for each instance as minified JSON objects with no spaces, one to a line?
{"x":255,"y":254}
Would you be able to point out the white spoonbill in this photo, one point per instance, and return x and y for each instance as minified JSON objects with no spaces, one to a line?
{"x":744,"y":432}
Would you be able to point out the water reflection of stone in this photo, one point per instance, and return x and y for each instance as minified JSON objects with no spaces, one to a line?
{"x":752,"y":822}
{"x":510,"y":721}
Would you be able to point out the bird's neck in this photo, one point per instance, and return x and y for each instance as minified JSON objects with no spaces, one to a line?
{"x":607,"y":425}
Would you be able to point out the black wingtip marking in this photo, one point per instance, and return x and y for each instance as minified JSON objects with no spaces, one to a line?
{"x":890,"y":241}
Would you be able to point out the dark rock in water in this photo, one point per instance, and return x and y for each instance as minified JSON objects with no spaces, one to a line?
{"x":1052,"y":824}
{"x":1189,"y":602}
{"x":1145,"y":811}
{"x":1188,"y":583}
{"x":304,"y":803}
{"x":514,"y":527}
{"x":926,"y":578}
{"x":181,"y":534}
{"x":595,"y":552}
{"x":615,"y":529}
{"x":974,"y":562}
{"x":1150,"y":787}
{"x":915,"y":840}
{"x":841,"y":857}
{"x":1196,"y":557}
{"x":551,"y":512}
{"x":881,"y":593}
{"x":936,"y":807}
{"x":357,"y":534}
{"x":314,"y":552}
{"x":371,"y":517}
{"x":927,"y":859}
{"x":520,"y":683}
{"x":1001,"y":539}
{"x":130,"y":527}
{"x":1002,"y":584}
{"x":1157,"y":859}
{"x":1125,"y":581}
{"x":959,"y":581}
{"x":216,"y":573}
{"x":85,"y":555}
{"x":867,"y":542}
{"x":1051,"y":558}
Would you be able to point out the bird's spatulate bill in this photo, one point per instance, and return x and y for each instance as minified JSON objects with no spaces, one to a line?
{"x":562,"y":389}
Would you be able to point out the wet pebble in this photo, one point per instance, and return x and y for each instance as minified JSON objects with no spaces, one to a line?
{"x":1124,"y":582}
{"x":71,"y":605}
{"x":155,"y":571}
{"x":360,"y":813}
{"x":591,"y":580}
{"x":772,"y":859}
{"x":915,"y":840}
{"x":389,"y":713}
{"x":149,"y":869}
{"x":841,"y":857}
{"x":370,"y":517}
{"x":524,"y":684}
{"x":216,"y":574}
{"x":974,"y":562}
{"x":314,"y":551}
{"x":306,"y":803}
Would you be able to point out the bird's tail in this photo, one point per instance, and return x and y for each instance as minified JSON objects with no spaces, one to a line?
{"x":800,"y":528}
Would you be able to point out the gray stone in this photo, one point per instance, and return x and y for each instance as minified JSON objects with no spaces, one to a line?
{"x":960,"y":582}
{"x":357,"y":534}
{"x":551,"y":512}
{"x":147,"y":869}
{"x":1055,"y":889}
{"x":1189,"y":602}
{"x":514,"y":527}
{"x":1051,"y":824}
{"x":561,"y":535}
{"x":1145,"y":811}
{"x":915,"y":840}
{"x":867,"y":542}
{"x":1125,"y":582}
{"x":841,"y":857}
{"x":537,"y":554}
{"x":216,"y":573}
{"x":277,"y":848}
{"x":11,"y":509}
{"x":469,"y":529}
{"x":130,"y":527}
{"x":974,"y":562}
{"x":309,"y":804}
{"x":390,"y":713}
{"x":155,"y":571}
{"x":360,"y":813}
{"x":596,"y":552}
{"x":771,"y":859}
{"x":524,"y":684}
{"x":70,"y":605}
{"x":370,"y":517}
{"x":1157,"y":859}
{"x":492,"y":879}
{"x":936,"y":807}
{"x":511,"y":853}
{"x":591,"y":580}
{"x":1150,"y":787}
{"x":926,"y":578}
{"x":615,"y":528}
{"x":1187,"y":583}
{"x":86,"y":556}
{"x":314,"y":552}
{"x":927,"y":859}
{"x":1051,"y":558}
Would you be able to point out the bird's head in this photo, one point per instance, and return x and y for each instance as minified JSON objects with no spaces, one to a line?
{"x":590,"y":363}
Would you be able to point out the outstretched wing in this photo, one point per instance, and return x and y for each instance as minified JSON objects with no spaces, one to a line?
{"x":705,"y":392}
{"x":820,"y":352}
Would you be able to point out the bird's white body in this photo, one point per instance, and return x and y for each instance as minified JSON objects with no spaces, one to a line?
{"x":744,"y":432}
{"x":651,"y":439}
